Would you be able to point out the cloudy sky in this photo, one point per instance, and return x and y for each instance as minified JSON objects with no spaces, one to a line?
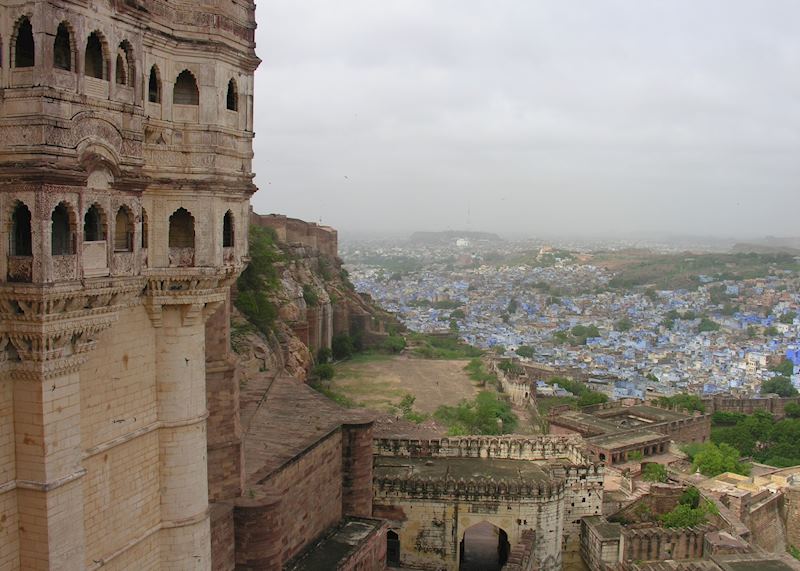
{"x":532,"y":116}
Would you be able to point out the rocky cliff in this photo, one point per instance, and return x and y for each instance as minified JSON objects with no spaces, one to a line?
{"x":312,"y":300}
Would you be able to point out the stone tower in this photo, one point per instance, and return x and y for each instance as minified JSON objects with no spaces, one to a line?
{"x":125,"y":165}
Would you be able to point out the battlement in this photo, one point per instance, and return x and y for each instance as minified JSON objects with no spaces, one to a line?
{"x":321,"y":239}
{"x":544,"y":447}
{"x":468,"y":488}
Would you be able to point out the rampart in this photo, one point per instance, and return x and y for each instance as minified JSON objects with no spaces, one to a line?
{"x":321,"y":239}
{"x":772,"y":404}
{"x":654,"y":542}
{"x":522,"y":557}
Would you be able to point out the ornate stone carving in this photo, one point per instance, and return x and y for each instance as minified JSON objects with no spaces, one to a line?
{"x":199,"y":291}
{"x":47,"y":331}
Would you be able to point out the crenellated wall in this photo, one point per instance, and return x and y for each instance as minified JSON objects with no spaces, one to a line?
{"x":321,"y":239}
{"x":653,"y":543}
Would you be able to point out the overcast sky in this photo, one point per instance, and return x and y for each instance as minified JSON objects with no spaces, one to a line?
{"x":534,"y":116}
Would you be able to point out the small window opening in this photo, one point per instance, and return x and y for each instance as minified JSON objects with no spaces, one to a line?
{"x":233,"y":96}
{"x":61,"y":243}
{"x":144,"y":228}
{"x":227,"y":230}
{"x":62,"y":48}
{"x":24,"y":47}
{"x":94,"y":62}
{"x":93,"y":225}
{"x":154,"y":86}
{"x":21,"y":242}
{"x":186,"y":91}
{"x":181,"y":229}
{"x":121,"y":75}
{"x":123,"y":231}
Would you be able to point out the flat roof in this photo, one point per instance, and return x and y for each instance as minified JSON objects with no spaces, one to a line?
{"x":650,"y":412}
{"x":605,"y":529}
{"x":627,"y":438}
{"x":441,"y":468}
{"x":335,"y":547}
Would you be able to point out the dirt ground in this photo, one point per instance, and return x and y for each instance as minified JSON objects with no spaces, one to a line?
{"x":381,"y":383}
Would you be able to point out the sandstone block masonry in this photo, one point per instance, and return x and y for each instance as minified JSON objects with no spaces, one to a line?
{"x":125,"y":177}
{"x":433,"y":490}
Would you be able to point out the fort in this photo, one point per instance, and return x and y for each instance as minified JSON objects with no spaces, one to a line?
{"x":614,"y":430}
{"x":432,"y":491}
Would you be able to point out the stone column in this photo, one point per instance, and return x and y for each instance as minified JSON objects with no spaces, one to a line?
{"x":51,"y":331}
{"x":47,"y":437}
{"x":178,"y":304}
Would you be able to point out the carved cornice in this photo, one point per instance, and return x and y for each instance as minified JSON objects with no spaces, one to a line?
{"x":475,"y":488}
{"x":48,"y":331}
{"x":198,"y":292}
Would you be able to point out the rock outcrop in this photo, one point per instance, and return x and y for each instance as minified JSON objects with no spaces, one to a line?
{"x":315,"y":302}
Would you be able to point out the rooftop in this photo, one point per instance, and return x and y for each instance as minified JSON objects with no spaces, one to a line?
{"x":627,"y":438}
{"x":282,"y":418}
{"x":335,"y":547}
{"x":442,"y":468}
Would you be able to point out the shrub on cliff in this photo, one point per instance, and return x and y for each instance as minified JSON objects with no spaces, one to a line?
{"x":310,"y":295}
{"x":342,"y":346}
{"x":486,"y":414}
{"x":259,"y":280}
{"x":393,"y":344}
{"x":324,"y":372}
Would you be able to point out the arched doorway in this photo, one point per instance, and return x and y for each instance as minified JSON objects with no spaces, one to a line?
{"x":392,"y":549}
{"x":484,"y":547}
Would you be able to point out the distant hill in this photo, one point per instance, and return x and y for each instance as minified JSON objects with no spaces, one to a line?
{"x":769,"y":245}
{"x":450,"y":236}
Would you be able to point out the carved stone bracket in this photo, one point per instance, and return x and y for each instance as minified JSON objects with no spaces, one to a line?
{"x":49,"y":331}
{"x":198,"y":292}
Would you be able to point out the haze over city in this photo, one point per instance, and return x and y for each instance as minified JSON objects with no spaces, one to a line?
{"x":531,"y":117}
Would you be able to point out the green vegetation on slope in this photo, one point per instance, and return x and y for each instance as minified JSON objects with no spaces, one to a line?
{"x":759,"y":436}
{"x":681,"y":271}
{"x":259,"y":280}
{"x":442,"y":347}
{"x":485,"y":414}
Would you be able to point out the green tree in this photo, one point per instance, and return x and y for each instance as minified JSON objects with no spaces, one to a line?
{"x":779,"y":385}
{"x":323,"y":371}
{"x":771,"y":331}
{"x":486,"y":414}
{"x":785,"y":368}
{"x":623,"y":324}
{"x":792,"y":410}
{"x":683,"y":401}
{"x":707,"y":325}
{"x":654,"y":473}
{"x":323,"y":355}
{"x":525,"y":351}
{"x":393,"y":344}
{"x":713,"y":460}
{"x":342,"y":346}
{"x":788,"y":317}
{"x":458,"y":314}
{"x":592,"y":397}
{"x":259,"y":280}
{"x":310,"y":295}
{"x":513,"y":305}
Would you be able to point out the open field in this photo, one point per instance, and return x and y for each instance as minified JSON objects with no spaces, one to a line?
{"x":379,"y":382}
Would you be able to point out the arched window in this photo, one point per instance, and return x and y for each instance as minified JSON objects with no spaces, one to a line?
{"x":61,"y":242}
{"x":227,"y":230}
{"x":93,"y":225}
{"x":154,"y":86}
{"x":94,"y":62}
{"x":121,"y":75}
{"x":186,"y":91}
{"x":23,"y":45}
{"x":181,"y":229}
{"x":233,"y":96}
{"x":123,"y":230}
{"x":125,"y":69}
{"x":21,"y":242}
{"x":144,"y":228}
{"x":62,"y":48}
